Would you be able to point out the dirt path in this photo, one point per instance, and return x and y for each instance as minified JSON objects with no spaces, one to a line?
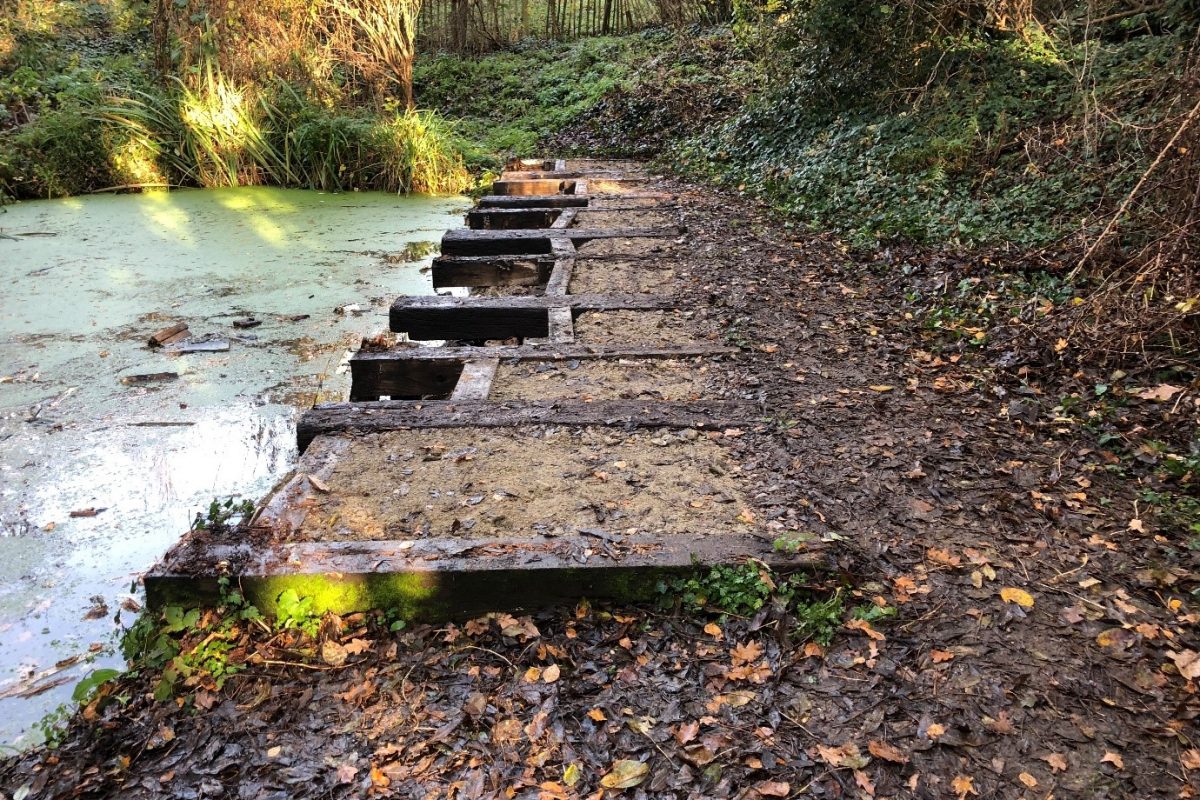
{"x":1043,"y":642}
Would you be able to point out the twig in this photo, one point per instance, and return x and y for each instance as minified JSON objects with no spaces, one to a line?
{"x":1112,"y":223}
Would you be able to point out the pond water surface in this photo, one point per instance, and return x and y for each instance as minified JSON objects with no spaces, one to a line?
{"x":85,"y":282}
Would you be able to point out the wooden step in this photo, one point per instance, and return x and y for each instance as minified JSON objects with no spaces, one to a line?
{"x":390,"y":415}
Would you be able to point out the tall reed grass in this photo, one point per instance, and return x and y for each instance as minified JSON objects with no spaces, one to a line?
{"x":218,"y":134}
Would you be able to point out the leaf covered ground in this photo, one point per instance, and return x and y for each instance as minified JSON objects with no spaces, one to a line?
{"x":1012,"y":577}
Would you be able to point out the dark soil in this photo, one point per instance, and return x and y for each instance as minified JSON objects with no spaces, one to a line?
{"x":957,"y":493}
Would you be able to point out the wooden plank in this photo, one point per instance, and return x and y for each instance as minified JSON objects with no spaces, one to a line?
{"x":562,"y":325}
{"x":476,"y":271}
{"x":415,"y":379}
{"x":533,"y":201}
{"x":543,"y":353}
{"x":475,"y":382}
{"x":565,"y":219}
{"x":467,"y":242}
{"x":486,"y":318}
{"x":564,"y":265}
{"x":167,"y":334}
{"x":474,"y":318}
{"x":391,"y":415}
{"x":512,"y":218}
{"x":427,"y":580}
{"x":526,"y":188}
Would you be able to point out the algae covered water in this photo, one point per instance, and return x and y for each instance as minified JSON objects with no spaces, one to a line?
{"x":101,"y":470}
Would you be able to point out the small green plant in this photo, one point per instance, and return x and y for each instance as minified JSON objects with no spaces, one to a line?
{"x":223,"y":516}
{"x":818,"y":620}
{"x":296,"y":613}
{"x":733,"y":589}
{"x":792,"y":543}
{"x":873,"y":613}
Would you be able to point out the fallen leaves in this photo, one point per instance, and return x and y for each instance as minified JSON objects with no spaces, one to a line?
{"x":888,"y":752}
{"x":847,"y":755}
{"x":1114,"y":759}
{"x":1160,"y":394}
{"x":1057,"y":761}
{"x":625,"y":774}
{"x":963,"y":785}
{"x":1020,"y":597}
{"x":1187,"y":663}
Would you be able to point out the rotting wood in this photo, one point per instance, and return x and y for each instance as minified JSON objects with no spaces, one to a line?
{"x":414,"y":373}
{"x":512,"y":218}
{"x":477,"y":271}
{"x":533,"y":201}
{"x":442,"y":579}
{"x":149,"y":377}
{"x":476,"y":318}
{"x":562,"y":325}
{"x":565,"y":219}
{"x":467,"y":242}
{"x":544,"y":352}
{"x":167,"y":334}
{"x":475,"y":381}
{"x":533,"y":187}
{"x":360,"y":418}
{"x":414,"y":379}
{"x":564,"y":264}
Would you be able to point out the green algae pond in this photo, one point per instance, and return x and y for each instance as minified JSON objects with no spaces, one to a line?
{"x":100,"y":475}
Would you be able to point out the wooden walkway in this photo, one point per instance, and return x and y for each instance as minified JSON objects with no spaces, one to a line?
{"x":543,"y":437}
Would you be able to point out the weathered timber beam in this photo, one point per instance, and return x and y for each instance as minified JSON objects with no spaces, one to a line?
{"x":512,"y":218}
{"x":471,"y":318}
{"x":371,"y":379}
{"x":533,"y":201}
{"x":468,"y":242}
{"x":531,"y":187}
{"x":390,"y":415}
{"x":475,"y":382}
{"x":440,"y":579}
{"x":542,"y":352}
{"x":474,"y":271}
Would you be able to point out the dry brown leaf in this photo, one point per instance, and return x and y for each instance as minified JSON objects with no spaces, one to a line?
{"x":1190,"y":759}
{"x":963,"y":785}
{"x":597,"y":715}
{"x":864,"y":782}
{"x":1113,"y":758}
{"x":713,"y":630}
{"x":746,"y":653}
{"x":357,"y":646}
{"x":1027,"y":779}
{"x":1187,"y":663}
{"x":550,"y":674}
{"x":865,"y":627}
{"x":773,"y":789}
{"x":935,"y":730}
{"x":1161,"y":393}
{"x":687,"y":732}
{"x":941,"y":655}
{"x":533,"y":675}
{"x":1057,"y":761}
{"x":888,"y":752}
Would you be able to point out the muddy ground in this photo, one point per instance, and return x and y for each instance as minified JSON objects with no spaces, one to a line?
{"x":1043,"y":642}
{"x":536,"y":481}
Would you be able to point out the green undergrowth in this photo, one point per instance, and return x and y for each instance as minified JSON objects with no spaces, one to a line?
{"x":508,"y":102}
{"x":807,"y":611}
{"x":1014,"y":140}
